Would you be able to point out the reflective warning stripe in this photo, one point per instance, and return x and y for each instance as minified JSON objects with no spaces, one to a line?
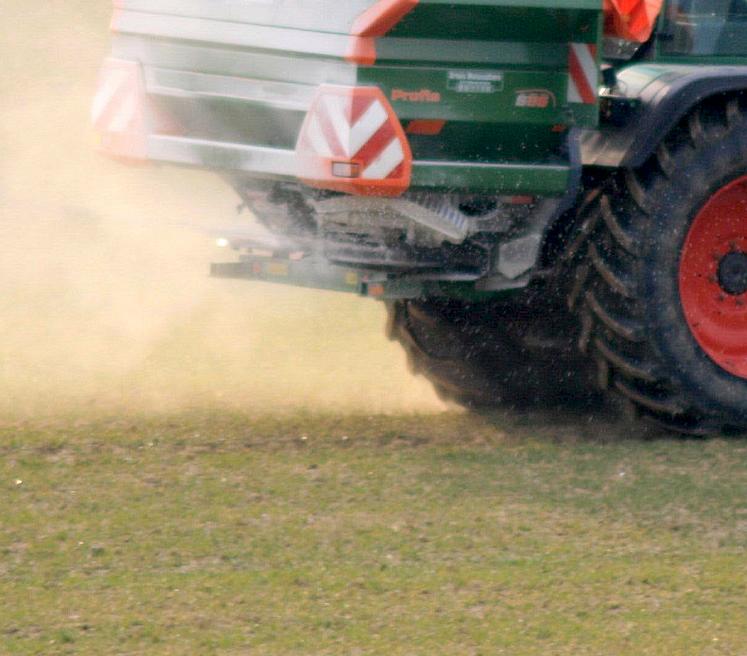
{"x":317,"y":139}
{"x":583,"y":73}
{"x":119,"y":110}
{"x":126,"y":114}
{"x":352,"y":142}
{"x":337,"y":119}
{"x":116,"y":106}
{"x":387,"y":161}
{"x":110,"y":87}
{"x":367,"y":126}
{"x":330,"y":133}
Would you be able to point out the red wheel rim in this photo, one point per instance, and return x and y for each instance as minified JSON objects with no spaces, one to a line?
{"x":715,"y":306}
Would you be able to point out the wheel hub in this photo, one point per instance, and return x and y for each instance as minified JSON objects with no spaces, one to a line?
{"x":732,"y":273}
{"x":713,"y":277}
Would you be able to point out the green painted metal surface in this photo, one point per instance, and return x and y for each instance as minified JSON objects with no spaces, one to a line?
{"x":241,"y":74}
{"x":547,"y":179}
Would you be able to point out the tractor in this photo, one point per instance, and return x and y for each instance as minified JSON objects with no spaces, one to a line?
{"x":550,"y":196}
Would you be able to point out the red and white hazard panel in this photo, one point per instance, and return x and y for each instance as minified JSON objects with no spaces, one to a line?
{"x":118,"y":111}
{"x":583,"y":73}
{"x":352,"y":141}
{"x":123,"y":114}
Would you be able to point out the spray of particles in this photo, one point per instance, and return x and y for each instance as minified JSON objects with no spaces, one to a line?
{"x":105,"y":300}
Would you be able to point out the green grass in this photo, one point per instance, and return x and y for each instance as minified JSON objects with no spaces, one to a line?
{"x":302,"y":534}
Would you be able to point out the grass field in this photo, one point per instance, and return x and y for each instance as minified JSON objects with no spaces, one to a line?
{"x":199,"y":534}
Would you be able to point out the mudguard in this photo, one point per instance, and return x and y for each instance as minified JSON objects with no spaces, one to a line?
{"x":655,"y":97}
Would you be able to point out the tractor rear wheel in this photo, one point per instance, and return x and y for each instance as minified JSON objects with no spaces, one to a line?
{"x":661,"y":285}
{"x":484,"y":356}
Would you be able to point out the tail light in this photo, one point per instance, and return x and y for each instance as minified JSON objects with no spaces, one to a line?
{"x":353,"y":142}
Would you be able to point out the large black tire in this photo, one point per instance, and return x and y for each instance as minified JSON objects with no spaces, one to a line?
{"x":627,"y":292}
{"x":485,"y":356}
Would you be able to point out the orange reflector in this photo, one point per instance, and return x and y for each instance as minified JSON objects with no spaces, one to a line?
{"x":425,"y":127}
{"x":375,"y":289}
{"x":352,"y":141}
{"x":521,"y":200}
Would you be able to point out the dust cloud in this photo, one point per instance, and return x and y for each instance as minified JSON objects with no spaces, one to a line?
{"x":105,"y":301}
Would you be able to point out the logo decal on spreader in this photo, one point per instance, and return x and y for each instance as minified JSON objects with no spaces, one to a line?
{"x":423,"y":95}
